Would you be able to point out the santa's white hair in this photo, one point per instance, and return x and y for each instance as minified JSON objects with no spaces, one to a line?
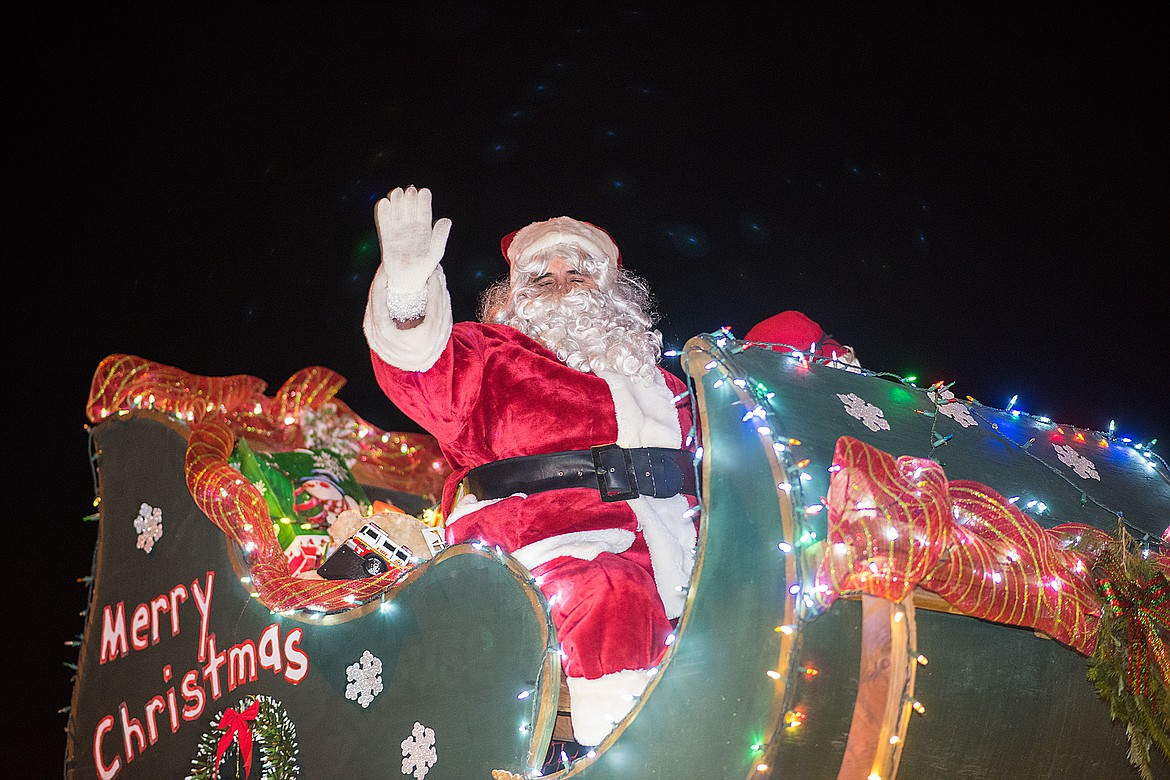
{"x":610,"y":328}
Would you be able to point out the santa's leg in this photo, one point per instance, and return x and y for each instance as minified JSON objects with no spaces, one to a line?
{"x":612,"y":628}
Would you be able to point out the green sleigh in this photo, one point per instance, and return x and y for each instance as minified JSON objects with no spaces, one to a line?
{"x":820,"y":639}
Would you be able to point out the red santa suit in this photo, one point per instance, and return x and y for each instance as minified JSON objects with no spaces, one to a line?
{"x":612,"y":571}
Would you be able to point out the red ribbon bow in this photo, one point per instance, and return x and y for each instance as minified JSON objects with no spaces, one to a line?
{"x":235,"y":724}
{"x":1145,"y":608}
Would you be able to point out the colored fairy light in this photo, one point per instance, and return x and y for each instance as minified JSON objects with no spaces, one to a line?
{"x":785,"y":629}
{"x":761,"y":767}
{"x":922,"y":660}
{"x":775,"y":675}
{"x":785,"y":486}
{"x":671,"y":353}
{"x":669,"y":639}
{"x":785,"y":547}
{"x":718,"y":382}
{"x":698,"y":453}
{"x":921,"y":710}
{"x":895,"y":739}
{"x":710,"y":365}
{"x":778,"y":446}
{"x":813,"y":509}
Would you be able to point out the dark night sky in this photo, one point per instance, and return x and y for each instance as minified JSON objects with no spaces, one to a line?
{"x":960,"y":194}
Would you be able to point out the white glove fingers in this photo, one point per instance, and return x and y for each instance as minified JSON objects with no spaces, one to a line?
{"x":422,"y":209}
{"x":439,"y":234}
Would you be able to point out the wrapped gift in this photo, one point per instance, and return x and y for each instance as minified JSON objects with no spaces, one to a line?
{"x":306,"y":490}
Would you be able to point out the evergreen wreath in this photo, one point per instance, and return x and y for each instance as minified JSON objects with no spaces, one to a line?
{"x":1136,"y":599}
{"x":273,"y":733}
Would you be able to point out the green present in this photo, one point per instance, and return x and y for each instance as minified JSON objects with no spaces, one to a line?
{"x":305,"y":491}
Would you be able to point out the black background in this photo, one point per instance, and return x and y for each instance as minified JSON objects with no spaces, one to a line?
{"x":964,"y":193}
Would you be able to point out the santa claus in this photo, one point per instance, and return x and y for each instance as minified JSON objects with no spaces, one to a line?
{"x":567,"y":440}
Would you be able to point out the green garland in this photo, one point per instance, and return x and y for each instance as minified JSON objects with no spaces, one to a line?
{"x":275,"y":735}
{"x":1146,"y":717}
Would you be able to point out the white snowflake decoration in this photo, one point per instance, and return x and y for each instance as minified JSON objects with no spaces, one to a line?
{"x":365,"y":679}
{"x":260,"y":486}
{"x":1083,"y":467}
{"x":325,"y":429}
{"x":329,"y":463}
{"x":148,"y":525}
{"x":956,"y":410}
{"x":870,"y":415}
{"x":418,"y":751}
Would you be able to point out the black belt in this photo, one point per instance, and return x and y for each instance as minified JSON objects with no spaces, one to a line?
{"x":617,"y":473}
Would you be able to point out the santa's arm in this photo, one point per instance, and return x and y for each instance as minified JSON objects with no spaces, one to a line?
{"x":408,"y":315}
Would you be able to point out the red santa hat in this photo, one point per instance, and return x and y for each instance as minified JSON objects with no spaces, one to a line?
{"x":560,"y":230}
{"x":796,"y":330}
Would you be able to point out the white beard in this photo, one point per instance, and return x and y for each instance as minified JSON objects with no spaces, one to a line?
{"x":588,"y":331}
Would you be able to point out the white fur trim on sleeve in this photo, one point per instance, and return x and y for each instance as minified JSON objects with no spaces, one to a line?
{"x":468,"y":504}
{"x":585,"y":545}
{"x":412,"y":349}
{"x":599,"y":705}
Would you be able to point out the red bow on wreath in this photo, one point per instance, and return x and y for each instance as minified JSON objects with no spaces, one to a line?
{"x":236,"y":724}
{"x":1145,"y":608}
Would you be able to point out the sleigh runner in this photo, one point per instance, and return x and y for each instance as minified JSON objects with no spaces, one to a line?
{"x":881,"y":567}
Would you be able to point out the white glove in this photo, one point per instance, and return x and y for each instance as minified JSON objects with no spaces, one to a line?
{"x":411,"y":247}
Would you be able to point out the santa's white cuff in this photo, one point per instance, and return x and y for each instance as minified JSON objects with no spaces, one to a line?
{"x":410,"y":349}
{"x":406,"y":306}
{"x":468,"y":504}
{"x":585,"y":545}
{"x":599,"y":705}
